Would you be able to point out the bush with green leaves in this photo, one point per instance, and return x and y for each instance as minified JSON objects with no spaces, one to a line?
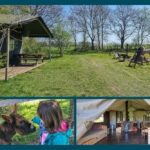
{"x":61,"y":38}
{"x":2,"y":60}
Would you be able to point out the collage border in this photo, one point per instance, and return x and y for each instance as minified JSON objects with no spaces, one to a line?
{"x":79,"y":147}
{"x":75,"y":98}
{"x":74,"y":2}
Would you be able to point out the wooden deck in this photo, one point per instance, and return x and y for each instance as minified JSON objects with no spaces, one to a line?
{"x":124,"y":138}
{"x":16,"y":70}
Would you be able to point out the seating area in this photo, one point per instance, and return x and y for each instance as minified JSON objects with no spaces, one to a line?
{"x":98,"y":131}
{"x":121,"y":56}
{"x":137,"y":58}
{"x":133,"y":125}
{"x":19,"y":59}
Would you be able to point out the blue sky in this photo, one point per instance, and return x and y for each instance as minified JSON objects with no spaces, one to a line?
{"x":112,"y":38}
{"x":67,"y":7}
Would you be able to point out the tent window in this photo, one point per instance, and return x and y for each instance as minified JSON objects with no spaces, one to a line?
{"x":146,"y":117}
{"x":119,"y":116}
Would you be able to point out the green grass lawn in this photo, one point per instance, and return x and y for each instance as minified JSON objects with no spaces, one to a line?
{"x":28,"y":110}
{"x":81,"y":75}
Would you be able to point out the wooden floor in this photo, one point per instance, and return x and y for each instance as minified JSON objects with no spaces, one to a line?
{"x":15,"y":70}
{"x":124,"y":138}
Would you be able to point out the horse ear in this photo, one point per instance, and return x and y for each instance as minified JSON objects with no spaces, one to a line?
{"x":15,"y":109}
{"x":7,"y":118}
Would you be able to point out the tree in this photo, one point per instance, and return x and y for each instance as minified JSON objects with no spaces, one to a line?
{"x":52,"y":14}
{"x":73,"y":28}
{"x":78,"y":16}
{"x":85,"y":17}
{"x":102,"y":24}
{"x":31,"y":45}
{"x":90,"y":14}
{"x":122,"y":22}
{"x":61,"y":38}
{"x":18,"y":10}
{"x":142,"y":24}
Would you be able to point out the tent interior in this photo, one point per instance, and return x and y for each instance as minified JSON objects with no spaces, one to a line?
{"x":113,"y":121}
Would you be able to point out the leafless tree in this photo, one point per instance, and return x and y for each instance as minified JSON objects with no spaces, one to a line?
{"x":85,"y":17}
{"x":102,"y":23}
{"x":90,"y":15}
{"x":142,"y":24}
{"x":78,"y":13}
{"x":73,"y":27}
{"x":122,"y":22}
{"x":52,"y":14}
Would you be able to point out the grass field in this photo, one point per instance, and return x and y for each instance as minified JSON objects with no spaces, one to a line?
{"x":28,"y":110}
{"x":81,"y":75}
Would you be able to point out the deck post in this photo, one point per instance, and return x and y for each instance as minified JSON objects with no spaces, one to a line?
{"x":49,"y":49}
{"x":7,"y":57}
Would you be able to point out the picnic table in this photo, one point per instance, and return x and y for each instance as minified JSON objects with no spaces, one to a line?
{"x":27,"y":58}
{"x":121,"y":56}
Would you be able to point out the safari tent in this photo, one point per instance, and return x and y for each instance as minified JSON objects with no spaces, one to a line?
{"x":21,"y":26}
{"x":13,"y":28}
{"x":113,"y":121}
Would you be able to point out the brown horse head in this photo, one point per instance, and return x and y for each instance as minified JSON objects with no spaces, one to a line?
{"x":14,"y":123}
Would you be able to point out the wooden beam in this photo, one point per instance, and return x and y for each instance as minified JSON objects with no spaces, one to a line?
{"x":50,"y":57}
{"x":7,"y":57}
{"x":148,"y":135}
{"x":9,"y":102}
{"x":126,"y":109}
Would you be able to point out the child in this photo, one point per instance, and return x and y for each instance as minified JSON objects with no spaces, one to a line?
{"x":54,"y":130}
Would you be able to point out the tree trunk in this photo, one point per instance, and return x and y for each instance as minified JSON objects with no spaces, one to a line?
{"x":98,"y":38}
{"x":122,"y":43}
{"x":61,"y":52}
{"x":138,"y":39}
{"x":102,"y":37}
{"x":84,"y":39}
{"x":99,"y":43}
{"x":92,"y":42}
{"x":75,"y":44}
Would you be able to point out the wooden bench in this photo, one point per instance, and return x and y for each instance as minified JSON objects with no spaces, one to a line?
{"x":28,"y":57}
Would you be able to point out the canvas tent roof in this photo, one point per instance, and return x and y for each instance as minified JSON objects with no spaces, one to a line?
{"x":32,"y":26}
{"x":90,"y":109}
